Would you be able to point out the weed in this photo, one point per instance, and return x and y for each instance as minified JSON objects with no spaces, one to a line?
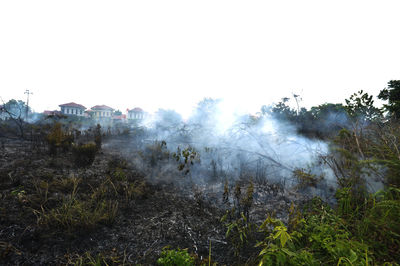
{"x":57,"y":139}
{"x":78,"y":216}
{"x":171,"y":257}
{"x":239,"y":231}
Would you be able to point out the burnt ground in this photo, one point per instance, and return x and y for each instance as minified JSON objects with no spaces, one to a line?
{"x":151,"y":216}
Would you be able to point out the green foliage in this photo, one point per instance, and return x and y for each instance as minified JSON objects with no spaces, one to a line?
{"x":77,"y":215}
{"x":361,"y":105}
{"x":58,"y":139}
{"x":239,"y":231}
{"x":320,"y":237}
{"x":247,"y":200}
{"x":84,"y":155}
{"x":186,"y":158}
{"x":380,"y":224}
{"x":392,"y":95}
{"x":306,"y":178}
{"x":179,"y":257}
{"x":156,"y":152}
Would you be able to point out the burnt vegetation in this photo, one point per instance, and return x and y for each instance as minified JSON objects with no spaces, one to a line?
{"x":288,"y":186}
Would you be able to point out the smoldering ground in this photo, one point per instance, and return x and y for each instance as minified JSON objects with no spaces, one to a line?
{"x":227,"y":145}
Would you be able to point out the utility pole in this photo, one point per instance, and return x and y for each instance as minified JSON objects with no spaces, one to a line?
{"x":27,"y":103}
{"x":295,"y":96}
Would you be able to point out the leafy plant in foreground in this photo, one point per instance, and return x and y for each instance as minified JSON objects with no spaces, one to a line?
{"x":171,"y":257}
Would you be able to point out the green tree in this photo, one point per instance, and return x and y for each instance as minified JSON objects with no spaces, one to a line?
{"x":392,"y":95}
{"x":361,"y":105}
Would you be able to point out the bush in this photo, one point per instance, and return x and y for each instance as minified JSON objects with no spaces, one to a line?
{"x":57,"y":139}
{"x":171,"y":257}
{"x":78,"y":216}
{"x":322,"y":236}
{"x":84,"y":154}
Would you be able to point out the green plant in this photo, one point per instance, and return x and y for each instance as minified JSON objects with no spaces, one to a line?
{"x":380,"y":225}
{"x":321,"y":236}
{"x":20,"y":194}
{"x":238,"y":231}
{"x":77,"y":215}
{"x":306,"y":178}
{"x":171,"y":257}
{"x":134,"y":190}
{"x":119,"y":174}
{"x":185,"y":158}
{"x":58,"y":139}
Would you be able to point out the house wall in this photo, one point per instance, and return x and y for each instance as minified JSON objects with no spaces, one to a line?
{"x":135,"y":115}
{"x":72,"y":111}
{"x":102,"y":113}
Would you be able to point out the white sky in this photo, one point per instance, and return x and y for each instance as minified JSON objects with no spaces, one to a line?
{"x":172,"y":54}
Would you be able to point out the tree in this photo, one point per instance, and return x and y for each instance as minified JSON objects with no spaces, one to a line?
{"x":360,"y":105}
{"x":392,"y":95}
{"x":14,"y":111}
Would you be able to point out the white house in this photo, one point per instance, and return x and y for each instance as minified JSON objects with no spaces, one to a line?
{"x":102,"y":112}
{"x":72,"y":109}
{"x":135,"y":114}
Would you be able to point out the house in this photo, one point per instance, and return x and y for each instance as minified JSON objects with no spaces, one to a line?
{"x":119,"y":118}
{"x":102,"y":112}
{"x":136,"y":114}
{"x":72,"y":109}
{"x":51,"y":113}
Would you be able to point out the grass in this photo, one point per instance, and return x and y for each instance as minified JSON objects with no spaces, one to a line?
{"x":76,"y":216}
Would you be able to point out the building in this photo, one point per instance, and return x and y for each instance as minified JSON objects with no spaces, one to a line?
{"x":51,"y":113}
{"x":135,"y":114}
{"x":72,"y":109}
{"x":102,"y":112}
{"x":119,"y":118}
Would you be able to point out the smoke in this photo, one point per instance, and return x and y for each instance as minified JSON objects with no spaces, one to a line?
{"x":236,"y":145}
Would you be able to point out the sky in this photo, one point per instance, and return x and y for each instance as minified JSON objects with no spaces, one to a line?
{"x":172,"y":54}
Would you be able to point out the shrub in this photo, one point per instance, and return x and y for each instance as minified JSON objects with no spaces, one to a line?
{"x":58,"y":139}
{"x":84,"y":154}
{"x":78,"y":215}
{"x":321,"y":237}
{"x":171,"y":257}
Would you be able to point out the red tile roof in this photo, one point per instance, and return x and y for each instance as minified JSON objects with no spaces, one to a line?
{"x":136,"y":109}
{"x":72,"y":104}
{"x":47,"y":112}
{"x":119,"y":117}
{"x":101,"y":107}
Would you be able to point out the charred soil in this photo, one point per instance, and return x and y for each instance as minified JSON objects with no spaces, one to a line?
{"x":52,"y":212}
